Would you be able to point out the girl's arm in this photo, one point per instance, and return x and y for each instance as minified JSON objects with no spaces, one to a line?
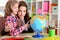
{"x":13,"y":30}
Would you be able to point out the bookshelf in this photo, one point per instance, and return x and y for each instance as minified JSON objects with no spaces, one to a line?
{"x":53,"y":12}
{"x":39,"y":7}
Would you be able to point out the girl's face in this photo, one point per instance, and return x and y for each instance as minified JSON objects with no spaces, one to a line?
{"x":15,"y":8}
{"x":22,"y":11}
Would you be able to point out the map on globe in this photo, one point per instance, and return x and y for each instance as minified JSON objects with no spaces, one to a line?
{"x":38,"y":23}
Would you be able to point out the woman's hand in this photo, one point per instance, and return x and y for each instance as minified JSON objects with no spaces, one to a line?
{"x":21,"y":17}
{"x":26,"y":25}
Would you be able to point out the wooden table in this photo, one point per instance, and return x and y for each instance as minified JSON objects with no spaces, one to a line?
{"x":28,"y":36}
{"x":20,"y":37}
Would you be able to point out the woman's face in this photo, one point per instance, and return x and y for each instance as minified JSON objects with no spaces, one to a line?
{"x":15,"y":8}
{"x":22,"y":11}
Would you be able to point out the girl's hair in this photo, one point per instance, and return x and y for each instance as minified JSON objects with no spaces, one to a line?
{"x":23,"y":3}
{"x":8,"y":7}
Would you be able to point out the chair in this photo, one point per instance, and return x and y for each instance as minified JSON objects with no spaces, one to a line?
{"x":2,"y":23}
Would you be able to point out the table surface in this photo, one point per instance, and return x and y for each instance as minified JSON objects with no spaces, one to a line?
{"x":29,"y":36}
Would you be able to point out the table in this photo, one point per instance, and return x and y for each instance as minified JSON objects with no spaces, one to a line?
{"x":20,"y":37}
{"x":28,"y":36}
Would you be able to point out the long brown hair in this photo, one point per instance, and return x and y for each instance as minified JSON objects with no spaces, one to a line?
{"x":8,"y":6}
{"x":23,"y":3}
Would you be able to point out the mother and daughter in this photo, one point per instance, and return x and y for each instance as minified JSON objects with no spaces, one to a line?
{"x":17,"y":18}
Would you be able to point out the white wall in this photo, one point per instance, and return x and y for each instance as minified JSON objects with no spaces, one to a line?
{"x":3,"y":2}
{"x":2,"y":5}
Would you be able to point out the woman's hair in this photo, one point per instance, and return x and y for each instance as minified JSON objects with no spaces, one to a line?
{"x":23,"y":3}
{"x":8,"y":7}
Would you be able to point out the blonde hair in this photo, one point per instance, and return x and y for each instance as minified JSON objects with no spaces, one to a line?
{"x":8,"y":6}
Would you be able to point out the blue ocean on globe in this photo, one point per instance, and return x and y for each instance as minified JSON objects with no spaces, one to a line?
{"x":38,"y":24}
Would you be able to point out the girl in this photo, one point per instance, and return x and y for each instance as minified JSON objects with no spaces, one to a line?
{"x":23,"y":15}
{"x":11,"y":23}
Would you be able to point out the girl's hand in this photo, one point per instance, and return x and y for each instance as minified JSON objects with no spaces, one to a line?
{"x":8,"y":27}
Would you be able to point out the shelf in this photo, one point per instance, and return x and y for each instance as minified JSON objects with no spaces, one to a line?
{"x":46,"y":0}
{"x":34,"y":0}
{"x":54,"y":9}
{"x":39,"y":4}
{"x":34,"y":7}
{"x":56,"y":28}
{"x":29,"y":4}
{"x":28,"y":0}
{"x":34,"y":12}
{"x":54,"y":14}
{"x":39,"y":0}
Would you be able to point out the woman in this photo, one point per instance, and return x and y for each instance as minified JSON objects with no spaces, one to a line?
{"x":23,"y":15}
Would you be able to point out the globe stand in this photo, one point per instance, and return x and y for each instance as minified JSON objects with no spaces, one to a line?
{"x":37,"y":36}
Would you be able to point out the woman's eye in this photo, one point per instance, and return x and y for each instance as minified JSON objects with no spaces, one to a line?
{"x":19,"y":10}
{"x":24,"y":11}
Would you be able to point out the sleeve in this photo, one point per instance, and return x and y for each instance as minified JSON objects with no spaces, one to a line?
{"x":13,"y":30}
{"x":9,"y":22}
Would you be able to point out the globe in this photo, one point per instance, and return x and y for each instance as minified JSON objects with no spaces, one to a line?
{"x":38,"y":24}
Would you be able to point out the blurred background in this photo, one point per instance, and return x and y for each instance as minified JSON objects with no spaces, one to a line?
{"x":48,"y":8}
